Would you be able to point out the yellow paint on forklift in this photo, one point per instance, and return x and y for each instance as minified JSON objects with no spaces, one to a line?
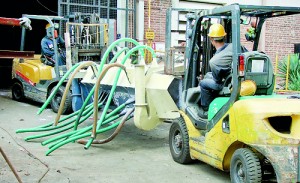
{"x":34,"y":70}
{"x":211,"y":147}
{"x":29,"y":72}
{"x":254,"y":120}
{"x":249,"y":124}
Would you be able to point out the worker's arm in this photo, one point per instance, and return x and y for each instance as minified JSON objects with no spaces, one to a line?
{"x":24,"y":22}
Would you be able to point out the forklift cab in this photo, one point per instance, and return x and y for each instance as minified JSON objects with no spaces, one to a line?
{"x":255,"y":138}
{"x":255,"y":65}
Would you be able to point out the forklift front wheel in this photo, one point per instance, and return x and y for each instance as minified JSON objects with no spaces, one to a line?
{"x":55,"y":102}
{"x":245,"y":167}
{"x":179,"y":142}
{"x":17,"y":91}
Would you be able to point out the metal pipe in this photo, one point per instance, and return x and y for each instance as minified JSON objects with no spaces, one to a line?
{"x":10,"y":166}
{"x":287,"y":73}
{"x":275,"y":72}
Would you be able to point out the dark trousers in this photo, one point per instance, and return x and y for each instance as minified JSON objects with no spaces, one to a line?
{"x":209,"y":90}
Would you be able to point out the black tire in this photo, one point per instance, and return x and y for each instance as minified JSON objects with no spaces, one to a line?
{"x":17,"y":91}
{"x":55,"y":102}
{"x":245,"y":167}
{"x":179,"y":142}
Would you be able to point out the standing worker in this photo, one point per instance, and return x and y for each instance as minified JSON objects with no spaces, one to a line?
{"x":220,"y":65}
{"x":48,"y":47}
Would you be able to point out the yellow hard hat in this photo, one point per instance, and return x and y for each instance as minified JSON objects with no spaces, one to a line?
{"x":216,"y":31}
{"x":248,"y":88}
{"x":47,"y":26}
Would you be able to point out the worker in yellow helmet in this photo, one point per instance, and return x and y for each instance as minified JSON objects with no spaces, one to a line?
{"x":220,"y":65}
{"x":47,"y":45}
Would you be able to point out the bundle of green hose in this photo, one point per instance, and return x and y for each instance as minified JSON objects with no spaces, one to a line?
{"x":86,"y":110}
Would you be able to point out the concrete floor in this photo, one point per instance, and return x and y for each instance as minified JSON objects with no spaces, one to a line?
{"x":133,"y":156}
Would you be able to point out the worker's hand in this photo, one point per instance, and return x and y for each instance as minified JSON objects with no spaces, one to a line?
{"x":25,"y":22}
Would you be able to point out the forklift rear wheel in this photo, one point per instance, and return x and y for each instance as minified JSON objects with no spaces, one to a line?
{"x":179,"y":142}
{"x":17,"y":91}
{"x":55,"y":102}
{"x":245,"y":167}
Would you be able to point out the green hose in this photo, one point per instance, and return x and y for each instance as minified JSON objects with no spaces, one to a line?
{"x":118,"y":54}
{"x":80,"y":137}
{"x":117,"y":78}
{"x":85,"y":110}
{"x":109,"y":118}
{"x":84,"y":130}
{"x":56,"y":88}
{"x":104,"y":58}
{"x":87,"y":113}
{"x":74,"y":133}
{"x":57,"y":131}
{"x":137,"y":48}
{"x":49,"y":126}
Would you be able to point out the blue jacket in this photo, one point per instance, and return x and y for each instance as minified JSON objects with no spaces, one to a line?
{"x":48,"y":47}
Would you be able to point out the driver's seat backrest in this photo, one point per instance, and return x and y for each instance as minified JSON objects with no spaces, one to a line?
{"x":259,"y":68}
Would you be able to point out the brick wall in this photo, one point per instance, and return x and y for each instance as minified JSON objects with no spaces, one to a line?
{"x":157,"y":18}
{"x":244,"y":42}
{"x":281,"y":35}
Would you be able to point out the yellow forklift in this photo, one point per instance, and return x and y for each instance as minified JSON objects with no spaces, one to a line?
{"x":35,"y":78}
{"x":255,"y":138}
